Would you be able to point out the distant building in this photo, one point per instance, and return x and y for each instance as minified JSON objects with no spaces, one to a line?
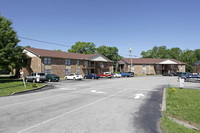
{"x":196,"y":67}
{"x":150,"y":66}
{"x":63,"y":63}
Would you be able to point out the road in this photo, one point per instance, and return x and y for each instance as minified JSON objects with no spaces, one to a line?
{"x":124,"y":105}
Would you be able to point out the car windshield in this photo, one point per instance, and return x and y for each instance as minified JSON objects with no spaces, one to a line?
{"x":53,"y":75}
{"x":41,"y":74}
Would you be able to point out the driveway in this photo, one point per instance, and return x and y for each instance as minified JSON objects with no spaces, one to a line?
{"x":124,"y":105}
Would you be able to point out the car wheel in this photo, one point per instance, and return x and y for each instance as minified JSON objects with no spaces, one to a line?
{"x":49,"y":80}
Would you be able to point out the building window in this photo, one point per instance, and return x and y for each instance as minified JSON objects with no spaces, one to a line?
{"x":158,"y":66}
{"x":86,"y":63}
{"x":78,"y":71}
{"x":144,"y":69}
{"x":101,"y":64}
{"x":47,"y":71}
{"x":132,"y":68}
{"x":181,"y":68}
{"x":78,"y":62}
{"x":67,"y":62}
{"x":47,"y":61}
{"x":67,"y":71}
{"x":172,"y":66}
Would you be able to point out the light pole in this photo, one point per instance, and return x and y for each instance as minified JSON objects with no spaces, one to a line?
{"x":130,"y":50}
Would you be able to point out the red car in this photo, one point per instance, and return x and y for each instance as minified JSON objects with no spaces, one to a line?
{"x":105,"y":75}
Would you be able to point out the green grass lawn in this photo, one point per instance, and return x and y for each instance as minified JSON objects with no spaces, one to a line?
{"x":185,"y":106}
{"x":8,"y":86}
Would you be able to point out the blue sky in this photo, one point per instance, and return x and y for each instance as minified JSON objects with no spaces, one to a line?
{"x":142,"y":23}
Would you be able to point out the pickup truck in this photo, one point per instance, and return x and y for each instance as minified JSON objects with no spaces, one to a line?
{"x":191,"y":77}
{"x":105,"y":75}
{"x":125,"y":74}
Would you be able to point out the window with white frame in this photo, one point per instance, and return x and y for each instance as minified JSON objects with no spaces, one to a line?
{"x":47,"y":61}
{"x":144,"y":68}
{"x":67,"y":62}
{"x":47,"y":71}
{"x":67,"y":71}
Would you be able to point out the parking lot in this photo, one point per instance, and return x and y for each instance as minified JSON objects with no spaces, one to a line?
{"x":120,"y":105}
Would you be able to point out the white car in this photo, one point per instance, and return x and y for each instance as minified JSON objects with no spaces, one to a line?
{"x":117,"y":75}
{"x":74,"y":76}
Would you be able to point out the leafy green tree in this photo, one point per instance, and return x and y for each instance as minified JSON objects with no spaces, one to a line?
{"x":156,"y":52}
{"x":11,"y":55}
{"x":175,"y":53}
{"x":197,"y":52}
{"x":109,"y":52}
{"x":83,"y":48}
{"x":189,"y":57}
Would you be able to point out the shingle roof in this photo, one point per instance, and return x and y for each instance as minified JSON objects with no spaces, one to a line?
{"x":147,"y":60}
{"x":59,"y":54}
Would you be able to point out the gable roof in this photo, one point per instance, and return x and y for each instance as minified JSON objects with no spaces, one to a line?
{"x":147,"y":60}
{"x":59,"y":54}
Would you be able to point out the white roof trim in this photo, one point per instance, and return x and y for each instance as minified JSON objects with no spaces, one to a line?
{"x":168,"y":62}
{"x":99,"y":57}
{"x":30,"y":54}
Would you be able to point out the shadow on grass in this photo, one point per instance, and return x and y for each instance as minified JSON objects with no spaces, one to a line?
{"x":9,"y":79}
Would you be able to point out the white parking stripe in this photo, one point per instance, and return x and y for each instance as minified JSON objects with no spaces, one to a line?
{"x":41,"y":123}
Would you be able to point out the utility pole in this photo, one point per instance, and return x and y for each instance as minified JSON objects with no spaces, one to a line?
{"x":130,"y":50}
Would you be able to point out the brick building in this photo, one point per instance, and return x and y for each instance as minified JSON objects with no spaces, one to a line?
{"x":196,"y":67}
{"x":150,"y":66}
{"x":63,"y":63}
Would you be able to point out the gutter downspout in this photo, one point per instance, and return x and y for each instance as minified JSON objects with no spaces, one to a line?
{"x":40,"y":63}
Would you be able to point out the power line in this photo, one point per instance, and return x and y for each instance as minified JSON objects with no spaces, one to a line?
{"x":43,"y":41}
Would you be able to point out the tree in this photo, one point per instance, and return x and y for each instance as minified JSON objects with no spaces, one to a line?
{"x":83,"y":48}
{"x":11,"y":55}
{"x":156,"y":52}
{"x":175,"y":53}
{"x":189,"y":57}
{"x":109,"y":52}
{"x":197,"y":52}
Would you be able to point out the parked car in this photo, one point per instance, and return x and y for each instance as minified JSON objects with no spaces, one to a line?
{"x":105,"y":75}
{"x":74,"y":76}
{"x":125,"y":74}
{"x":131,"y":73}
{"x":117,"y":75}
{"x":52,"y":77}
{"x":36,"y":77}
{"x":168,"y":74}
{"x":92,"y":76}
{"x":190,"y":77}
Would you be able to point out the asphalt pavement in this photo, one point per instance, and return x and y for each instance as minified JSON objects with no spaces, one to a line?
{"x":121,"y":105}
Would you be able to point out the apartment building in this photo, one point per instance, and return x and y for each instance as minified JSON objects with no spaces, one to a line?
{"x":64,"y":63}
{"x":196,"y":67}
{"x":150,"y":66}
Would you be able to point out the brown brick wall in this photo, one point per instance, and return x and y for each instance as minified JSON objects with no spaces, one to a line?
{"x":58,"y":66}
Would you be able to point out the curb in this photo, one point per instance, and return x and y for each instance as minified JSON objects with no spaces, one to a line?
{"x":183,"y":123}
{"x":21,"y":92}
{"x":163,"y":107}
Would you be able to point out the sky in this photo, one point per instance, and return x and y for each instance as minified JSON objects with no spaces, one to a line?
{"x":142,"y":24}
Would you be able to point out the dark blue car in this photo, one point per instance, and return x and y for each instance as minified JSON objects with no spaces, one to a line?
{"x":92,"y":76}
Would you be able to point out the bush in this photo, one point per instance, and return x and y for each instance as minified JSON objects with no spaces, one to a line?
{"x":172,"y":91}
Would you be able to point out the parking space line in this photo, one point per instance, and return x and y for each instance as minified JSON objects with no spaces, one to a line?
{"x":72,"y":111}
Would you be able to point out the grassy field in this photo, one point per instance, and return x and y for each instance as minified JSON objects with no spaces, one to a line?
{"x":185,"y":106}
{"x":9,"y":86}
